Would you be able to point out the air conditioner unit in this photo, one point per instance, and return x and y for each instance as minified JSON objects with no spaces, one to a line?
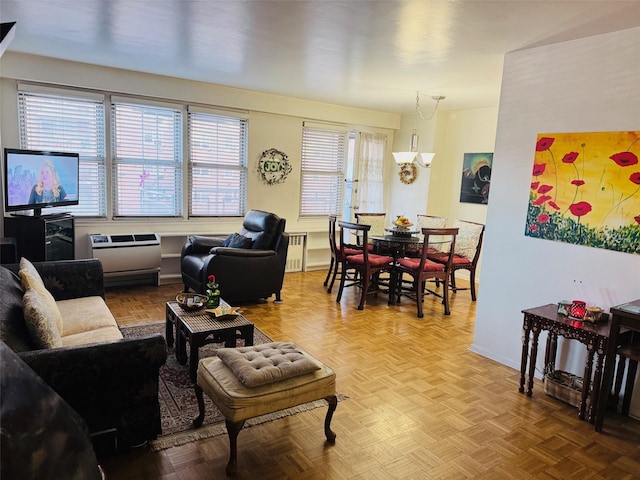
{"x":127,"y":254}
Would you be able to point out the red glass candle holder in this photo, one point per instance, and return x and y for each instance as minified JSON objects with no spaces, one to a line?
{"x":578,"y":309}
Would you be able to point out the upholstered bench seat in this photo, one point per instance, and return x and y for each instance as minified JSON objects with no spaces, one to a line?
{"x":238,"y":402}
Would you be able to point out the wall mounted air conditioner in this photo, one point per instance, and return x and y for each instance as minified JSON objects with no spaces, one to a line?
{"x":127,"y":254}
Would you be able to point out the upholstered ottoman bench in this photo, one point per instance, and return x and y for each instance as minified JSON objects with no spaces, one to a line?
{"x":247,"y":382}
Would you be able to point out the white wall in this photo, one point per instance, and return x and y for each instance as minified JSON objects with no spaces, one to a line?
{"x":587,"y":85}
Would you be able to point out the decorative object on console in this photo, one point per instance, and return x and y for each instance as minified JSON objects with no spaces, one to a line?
{"x":593,"y":314}
{"x":578,"y":309}
{"x":274,"y":166}
{"x":213,"y":293}
{"x":564,"y":308}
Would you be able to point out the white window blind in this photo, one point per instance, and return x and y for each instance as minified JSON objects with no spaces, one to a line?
{"x":66,"y":123}
{"x":146,"y":160}
{"x":323,"y":159}
{"x":217,"y":165}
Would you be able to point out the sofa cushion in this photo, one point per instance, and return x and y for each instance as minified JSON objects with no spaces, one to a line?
{"x":39,"y":321}
{"x":36,"y":283}
{"x":102,"y":334}
{"x":235,"y":240}
{"x":270,"y":362}
{"x":85,"y":314}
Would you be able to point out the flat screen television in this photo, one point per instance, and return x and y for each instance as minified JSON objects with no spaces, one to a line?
{"x":37,"y":179}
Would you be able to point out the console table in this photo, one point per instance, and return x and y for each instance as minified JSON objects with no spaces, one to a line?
{"x":594,"y":336}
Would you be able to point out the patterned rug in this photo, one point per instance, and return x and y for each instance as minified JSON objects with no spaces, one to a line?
{"x":178,"y":405}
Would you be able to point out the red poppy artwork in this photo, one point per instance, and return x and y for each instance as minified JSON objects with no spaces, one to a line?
{"x":585,"y":189}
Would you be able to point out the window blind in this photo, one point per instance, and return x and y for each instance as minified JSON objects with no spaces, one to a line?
{"x":217,"y":165}
{"x":323,"y":159}
{"x":146,"y":160}
{"x":65,"y":123}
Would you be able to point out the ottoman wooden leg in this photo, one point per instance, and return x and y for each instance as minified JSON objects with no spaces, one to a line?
{"x":233,"y":429}
{"x":200,"y":418}
{"x":333,"y":403}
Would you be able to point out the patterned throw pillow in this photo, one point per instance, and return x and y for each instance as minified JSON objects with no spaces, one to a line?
{"x":467,"y":239}
{"x":39,"y":321}
{"x":235,"y":240}
{"x":29,"y":281}
{"x":27,"y":266}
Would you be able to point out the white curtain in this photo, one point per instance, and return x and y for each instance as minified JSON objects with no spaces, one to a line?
{"x":369,"y":196}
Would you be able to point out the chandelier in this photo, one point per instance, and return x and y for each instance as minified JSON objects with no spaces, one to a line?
{"x":423,"y":159}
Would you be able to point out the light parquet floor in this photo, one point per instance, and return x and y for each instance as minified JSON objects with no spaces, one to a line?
{"x":421,"y":406}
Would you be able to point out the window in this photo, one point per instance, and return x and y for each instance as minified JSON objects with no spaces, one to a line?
{"x":217,"y":165}
{"x":146,"y":160}
{"x":323,"y":159}
{"x":67,"y":123}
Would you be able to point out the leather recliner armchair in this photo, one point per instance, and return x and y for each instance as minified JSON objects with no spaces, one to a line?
{"x":242,"y":274}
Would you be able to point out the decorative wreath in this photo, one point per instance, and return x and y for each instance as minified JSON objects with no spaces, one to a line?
{"x":408,"y":173}
{"x":274,"y":166}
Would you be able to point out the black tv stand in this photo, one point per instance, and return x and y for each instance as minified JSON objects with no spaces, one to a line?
{"x":42,"y":238}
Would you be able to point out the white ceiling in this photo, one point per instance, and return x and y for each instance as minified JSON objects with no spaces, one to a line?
{"x":370,"y":54}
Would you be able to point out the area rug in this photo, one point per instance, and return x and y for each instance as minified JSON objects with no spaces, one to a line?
{"x":178,"y":404}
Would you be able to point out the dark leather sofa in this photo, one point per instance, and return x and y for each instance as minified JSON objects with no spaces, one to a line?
{"x":243,"y":274}
{"x":112,"y":385}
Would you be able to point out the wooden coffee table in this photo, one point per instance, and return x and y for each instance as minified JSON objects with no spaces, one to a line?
{"x":198,"y":328}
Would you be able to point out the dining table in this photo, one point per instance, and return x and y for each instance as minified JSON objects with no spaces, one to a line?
{"x":397,"y":243}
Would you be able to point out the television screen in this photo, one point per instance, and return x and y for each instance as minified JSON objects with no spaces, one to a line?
{"x":37,"y":179}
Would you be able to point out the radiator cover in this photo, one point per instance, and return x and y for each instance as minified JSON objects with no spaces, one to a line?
{"x":127,"y":254}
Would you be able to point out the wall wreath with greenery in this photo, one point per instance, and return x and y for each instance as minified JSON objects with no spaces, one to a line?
{"x":273,"y":166}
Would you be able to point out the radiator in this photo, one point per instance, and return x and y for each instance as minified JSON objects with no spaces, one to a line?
{"x":127,"y":254}
{"x":295,"y":254}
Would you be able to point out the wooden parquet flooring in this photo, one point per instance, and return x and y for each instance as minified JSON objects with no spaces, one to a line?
{"x":421,"y":406}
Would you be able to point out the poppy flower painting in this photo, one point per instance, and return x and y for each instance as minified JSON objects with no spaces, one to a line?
{"x":585,"y":190}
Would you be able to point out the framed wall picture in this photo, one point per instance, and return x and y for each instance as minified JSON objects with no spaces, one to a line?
{"x":476,"y":177}
{"x":585,"y":190}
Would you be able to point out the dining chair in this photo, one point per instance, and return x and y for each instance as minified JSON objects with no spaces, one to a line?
{"x":376,"y":220}
{"x":427,"y":221}
{"x":468,"y":246}
{"x":335,"y":266}
{"x":422,"y":269}
{"x":623,"y":343}
{"x":366,"y":265}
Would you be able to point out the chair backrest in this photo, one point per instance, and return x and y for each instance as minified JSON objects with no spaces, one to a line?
{"x":357,"y":231}
{"x":446,"y":243}
{"x":469,"y":240}
{"x":332,"y":233}
{"x":431,"y":221}
{"x":263,"y":228}
{"x":377,"y":221}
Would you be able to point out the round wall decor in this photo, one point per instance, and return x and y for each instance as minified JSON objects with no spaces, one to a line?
{"x":408,"y":173}
{"x":274,"y":166}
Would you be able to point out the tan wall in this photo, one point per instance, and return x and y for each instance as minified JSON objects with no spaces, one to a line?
{"x":274,"y":122}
